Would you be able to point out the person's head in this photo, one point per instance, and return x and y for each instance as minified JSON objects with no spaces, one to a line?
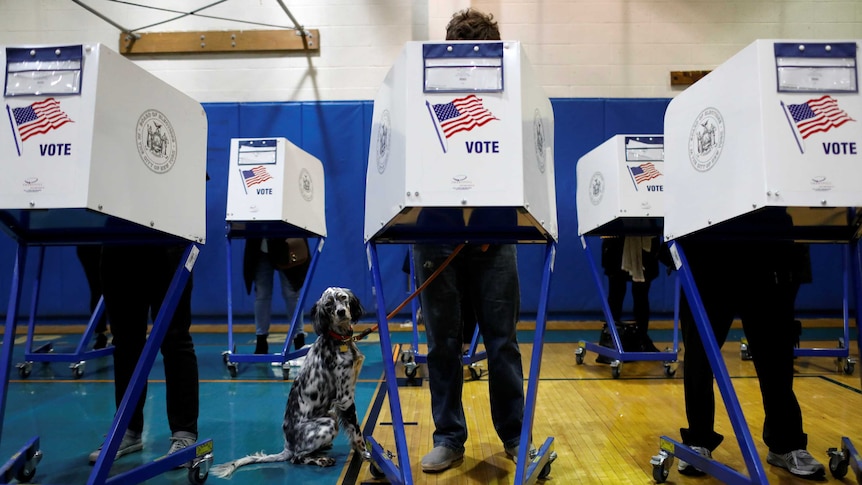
{"x":471,"y":24}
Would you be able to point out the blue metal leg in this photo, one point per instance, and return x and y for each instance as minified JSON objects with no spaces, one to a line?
{"x":9,"y":338}
{"x":528,"y":467}
{"x":133,"y":393}
{"x":725,"y":387}
{"x":400,"y":473}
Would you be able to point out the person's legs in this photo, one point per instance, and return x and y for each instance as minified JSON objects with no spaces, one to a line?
{"x":496,"y":295}
{"x":126,"y":274}
{"x":263,"y":303}
{"x":178,"y":350}
{"x":617,"y":282}
{"x":442,"y":315}
{"x":640,"y":297}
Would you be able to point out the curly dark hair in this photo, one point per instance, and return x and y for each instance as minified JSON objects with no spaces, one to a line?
{"x":471,"y":24}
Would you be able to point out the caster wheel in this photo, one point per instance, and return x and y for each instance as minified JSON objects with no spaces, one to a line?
{"x":849,"y":366}
{"x":410,"y":372}
{"x":25,"y":474}
{"x":231,"y":369}
{"x":474,"y":374}
{"x":23,"y":371}
{"x":406,"y":357}
{"x":615,"y":371}
{"x":838,"y":466}
{"x":660,"y":473}
{"x":225,"y":357}
{"x":196,"y":476}
{"x":375,"y":471}
{"x":78,"y":372}
{"x":669,"y":371}
{"x":546,"y":470}
{"x":579,"y":356}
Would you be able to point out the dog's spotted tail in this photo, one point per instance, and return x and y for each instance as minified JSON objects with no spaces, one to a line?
{"x":225,"y":470}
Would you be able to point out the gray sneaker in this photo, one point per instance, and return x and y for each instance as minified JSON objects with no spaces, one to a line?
{"x":129,"y":444}
{"x":688,"y":469}
{"x":441,"y":458}
{"x":512,"y":452}
{"x":797,"y":462}
{"x":179,"y":441}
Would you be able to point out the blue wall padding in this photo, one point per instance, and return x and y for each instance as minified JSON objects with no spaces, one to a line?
{"x":338,"y":133}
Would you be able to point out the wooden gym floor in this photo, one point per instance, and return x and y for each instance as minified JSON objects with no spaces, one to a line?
{"x":605,"y":429}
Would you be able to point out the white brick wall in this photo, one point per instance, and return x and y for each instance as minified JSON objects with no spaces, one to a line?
{"x":580,"y":48}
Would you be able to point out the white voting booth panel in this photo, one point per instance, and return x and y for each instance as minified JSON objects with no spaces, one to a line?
{"x":461,"y":124}
{"x":778,"y":124}
{"x":271,"y":179}
{"x":89,"y":131}
{"x":620,"y":179}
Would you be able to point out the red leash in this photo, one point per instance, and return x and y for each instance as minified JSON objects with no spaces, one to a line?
{"x":404,"y":303}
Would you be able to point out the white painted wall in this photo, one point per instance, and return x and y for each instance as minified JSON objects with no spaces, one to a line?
{"x":580,"y":48}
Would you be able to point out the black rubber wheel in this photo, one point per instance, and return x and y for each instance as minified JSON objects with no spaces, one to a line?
{"x":195,"y":476}
{"x":615,"y":372}
{"x":660,"y":473}
{"x":77,"y":372}
{"x":410,"y":372}
{"x":231,"y":369}
{"x":669,"y":371}
{"x":375,"y":471}
{"x":23,"y":372}
{"x":838,"y":466}
{"x":25,"y":476}
{"x":848,"y":367}
{"x":474,"y":374}
{"x":579,"y":356}
{"x":546,"y":470}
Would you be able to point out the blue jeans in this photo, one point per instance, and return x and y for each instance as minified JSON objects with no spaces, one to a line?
{"x":263,"y":296}
{"x":489,"y":281}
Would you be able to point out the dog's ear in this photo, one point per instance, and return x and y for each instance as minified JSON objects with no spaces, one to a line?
{"x":356,"y":310}
{"x":319,"y":319}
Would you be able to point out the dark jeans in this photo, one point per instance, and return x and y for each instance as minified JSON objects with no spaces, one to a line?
{"x":90,"y":256}
{"x":135,"y":280}
{"x":765,"y":305}
{"x":490,"y":280}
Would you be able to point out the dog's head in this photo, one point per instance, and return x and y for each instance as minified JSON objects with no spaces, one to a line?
{"x":336,"y":310}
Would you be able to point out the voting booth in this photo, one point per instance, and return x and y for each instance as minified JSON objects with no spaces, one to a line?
{"x":103,"y":144}
{"x":620,"y":186}
{"x":98,"y":150}
{"x":459,"y":126}
{"x":620,"y":193}
{"x":776,"y":126}
{"x":275,"y":190}
{"x":271,"y":179}
{"x":461,"y":150}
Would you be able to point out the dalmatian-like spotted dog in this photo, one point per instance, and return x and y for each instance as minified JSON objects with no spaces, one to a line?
{"x":322,"y":394}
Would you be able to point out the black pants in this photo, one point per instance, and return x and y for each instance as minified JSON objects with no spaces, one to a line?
{"x":135,"y":280}
{"x":765,"y":306}
{"x":617,"y":283}
{"x":90,"y":256}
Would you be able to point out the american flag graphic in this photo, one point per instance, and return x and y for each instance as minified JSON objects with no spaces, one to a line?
{"x":255,"y":176}
{"x":644,"y":172}
{"x":462,"y":114}
{"x":817,"y":115}
{"x":39,"y":118}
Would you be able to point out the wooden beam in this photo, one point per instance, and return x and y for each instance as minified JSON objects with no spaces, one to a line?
{"x":219,"y":42}
{"x":686,"y":78}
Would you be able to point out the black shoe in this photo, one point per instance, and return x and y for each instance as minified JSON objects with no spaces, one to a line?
{"x":262,"y":346}
{"x":101,"y":341}
{"x":647,"y":345}
{"x":299,"y":341}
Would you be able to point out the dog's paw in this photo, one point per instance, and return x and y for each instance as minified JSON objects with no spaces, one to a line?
{"x":324,"y":461}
